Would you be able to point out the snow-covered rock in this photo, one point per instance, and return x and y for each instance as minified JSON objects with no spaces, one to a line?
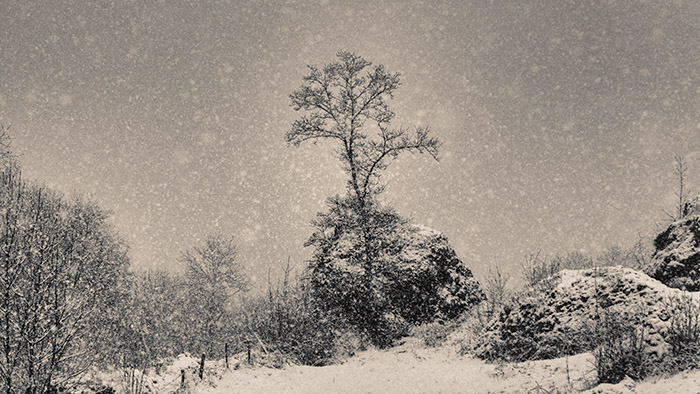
{"x":415,"y":275}
{"x":676,"y":261}
{"x":548,"y":324}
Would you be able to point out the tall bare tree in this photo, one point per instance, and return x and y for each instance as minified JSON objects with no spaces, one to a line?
{"x":347,"y":101}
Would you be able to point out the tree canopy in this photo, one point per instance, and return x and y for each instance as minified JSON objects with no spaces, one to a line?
{"x":346,"y":101}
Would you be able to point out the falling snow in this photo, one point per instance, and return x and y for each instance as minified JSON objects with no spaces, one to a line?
{"x":559,"y":120}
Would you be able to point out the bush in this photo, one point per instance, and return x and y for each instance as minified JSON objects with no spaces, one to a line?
{"x":528,"y":331}
{"x":288,"y":320}
{"x":683,"y":334}
{"x":619,"y":344}
{"x":676,"y":261}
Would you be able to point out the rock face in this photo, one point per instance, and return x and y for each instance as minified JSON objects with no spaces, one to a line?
{"x":549,"y":324}
{"x":428,"y":273}
{"x":417,"y":271}
{"x":676,"y":261}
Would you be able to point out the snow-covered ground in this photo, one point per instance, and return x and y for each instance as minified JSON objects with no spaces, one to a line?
{"x":408,"y":368}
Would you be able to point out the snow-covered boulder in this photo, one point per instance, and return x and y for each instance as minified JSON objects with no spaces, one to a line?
{"x":417,"y":271}
{"x":676,"y":261}
{"x":383,"y":274}
{"x":550,"y":323}
{"x":429,"y":279}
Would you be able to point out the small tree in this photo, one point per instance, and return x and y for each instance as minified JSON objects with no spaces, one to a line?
{"x":214,"y":276}
{"x":7,"y":159}
{"x":681,"y":169}
{"x":346,"y":101}
{"x":154,"y":321}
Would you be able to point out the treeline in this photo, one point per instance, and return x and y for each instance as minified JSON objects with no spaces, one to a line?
{"x":69,"y":301}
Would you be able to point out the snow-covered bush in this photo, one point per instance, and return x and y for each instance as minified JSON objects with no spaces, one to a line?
{"x":528,"y":331}
{"x":382,"y":274}
{"x":548,"y":322}
{"x":683,"y":334}
{"x":288,"y":321}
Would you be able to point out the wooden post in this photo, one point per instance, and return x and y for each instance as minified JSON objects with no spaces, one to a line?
{"x":201,"y":367}
{"x":249,"y":359}
{"x":182,"y":378}
{"x":226,"y":353}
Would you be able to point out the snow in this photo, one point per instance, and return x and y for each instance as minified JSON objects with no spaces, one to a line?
{"x":570,"y":278}
{"x":409,"y":368}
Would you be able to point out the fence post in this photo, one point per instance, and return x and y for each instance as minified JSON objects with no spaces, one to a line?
{"x":201,"y":367}
{"x":226,"y":353}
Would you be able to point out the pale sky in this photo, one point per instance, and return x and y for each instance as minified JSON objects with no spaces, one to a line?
{"x":559,"y":119}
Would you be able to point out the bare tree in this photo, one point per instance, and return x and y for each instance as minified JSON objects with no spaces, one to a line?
{"x":6,"y":156}
{"x":215,"y":276}
{"x":496,"y":289}
{"x":344,"y":101}
{"x":682,"y":193}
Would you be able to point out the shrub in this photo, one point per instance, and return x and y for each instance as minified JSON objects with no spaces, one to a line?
{"x":528,"y":331}
{"x":683,"y":334}
{"x":676,"y":261}
{"x":620,"y":347}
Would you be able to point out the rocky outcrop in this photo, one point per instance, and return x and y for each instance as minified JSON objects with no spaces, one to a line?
{"x":676,"y":261}
{"x":552,"y":323}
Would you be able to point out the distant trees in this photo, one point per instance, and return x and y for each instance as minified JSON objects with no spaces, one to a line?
{"x":152,"y":325}
{"x":169,"y":313}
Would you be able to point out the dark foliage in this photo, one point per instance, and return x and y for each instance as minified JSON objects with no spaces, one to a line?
{"x":381,"y":275}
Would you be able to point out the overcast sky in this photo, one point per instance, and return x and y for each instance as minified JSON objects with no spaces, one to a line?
{"x":559,"y":119}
